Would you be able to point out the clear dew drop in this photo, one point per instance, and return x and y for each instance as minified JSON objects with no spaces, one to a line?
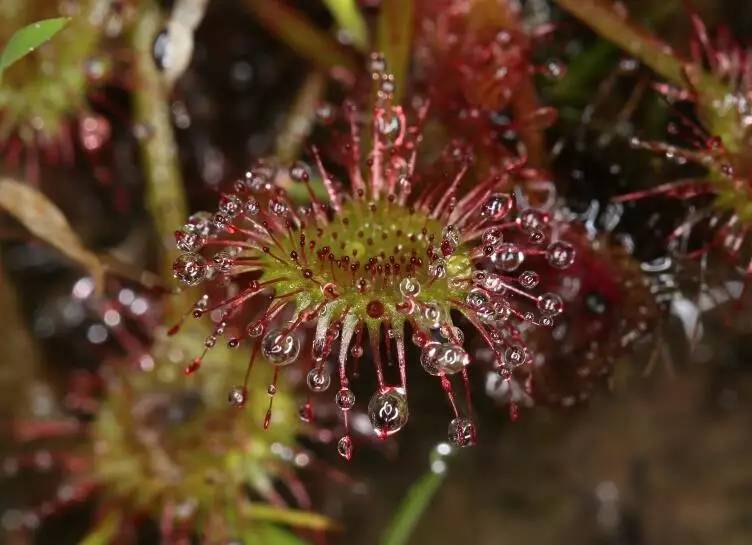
{"x":251,"y":207}
{"x":432,"y":315}
{"x":299,"y":172}
{"x":278,"y":207}
{"x":190,"y":268}
{"x":172,"y":49}
{"x":230,"y":205}
{"x":318,"y":379}
{"x":532,"y":220}
{"x":462,"y":432}
{"x":237,"y":396}
{"x":345,"y":447}
{"x":560,"y":254}
{"x":451,"y":358}
{"x":497,"y":206}
{"x":189,"y":241}
{"x":344,"y":399}
{"x":515,"y":355}
{"x":388,"y":124}
{"x":493,"y":237}
{"x":451,"y":234}
{"x":376,"y":63}
{"x":429,"y":357}
{"x":409,"y":287}
{"x":255,"y":329}
{"x":508,"y":257}
{"x":222,"y":261}
{"x":201,"y":224}
{"x":280,"y":348}
{"x":438,"y":268}
{"x":550,"y":304}
{"x":388,"y":411}
{"x":528,"y":279}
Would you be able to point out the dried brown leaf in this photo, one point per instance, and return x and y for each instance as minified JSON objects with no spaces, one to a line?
{"x":45,"y":221}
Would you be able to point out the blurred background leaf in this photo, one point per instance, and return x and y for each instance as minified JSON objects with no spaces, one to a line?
{"x":45,"y":221}
{"x":27,"y":39}
{"x":348,"y":17}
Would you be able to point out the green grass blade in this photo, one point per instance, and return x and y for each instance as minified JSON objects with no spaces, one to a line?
{"x":27,"y":39}
{"x":412,"y":508}
{"x":348,"y":17}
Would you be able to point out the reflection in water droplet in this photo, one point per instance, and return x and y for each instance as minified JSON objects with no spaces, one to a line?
{"x":388,"y":411}
{"x":280,"y":348}
{"x":190,"y":268}
{"x":462,"y":432}
{"x":318,"y":379}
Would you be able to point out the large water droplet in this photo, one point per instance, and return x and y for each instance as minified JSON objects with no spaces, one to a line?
{"x":237,"y":396}
{"x":560,"y":254}
{"x":532,"y":220}
{"x":409,"y":287}
{"x":497,"y":206}
{"x":438,"y":268}
{"x":477,"y":298}
{"x":452,"y":358}
{"x":388,"y":411}
{"x":432,"y":315}
{"x":230,"y":205}
{"x":461,"y":432}
{"x":201,"y":223}
{"x":388,"y":124}
{"x":279,"y":347}
{"x":172,"y":49}
{"x":508,"y":257}
{"x":345,"y":447}
{"x":300,"y":172}
{"x":515,"y":355}
{"x":345,"y":399}
{"x":493,"y":237}
{"x":278,"y":207}
{"x":189,"y":241}
{"x":190,"y":269}
{"x":429,"y":357}
{"x":550,"y":304}
{"x":318,"y":379}
{"x":223,"y":261}
{"x":529,"y":279}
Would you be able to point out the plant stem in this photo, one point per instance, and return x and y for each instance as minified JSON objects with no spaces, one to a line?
{"x":165,"y":197}
{"x":636,"y":41}
{"x":412,"y":508}
{"x":395,"y":36}
{"x":303,"y":37}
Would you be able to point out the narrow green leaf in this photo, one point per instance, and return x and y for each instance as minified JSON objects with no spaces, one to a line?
{"x":27,"y":39}
{"x":301,"y":35}
{"x":412,"y":508}
{"x":271,"y":535}
{"x":104,"y":532}
{"x":348,"y":17}
{"x":290,"y":517}
{"x":395,"y":34}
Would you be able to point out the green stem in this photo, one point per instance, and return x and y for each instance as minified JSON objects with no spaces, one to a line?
{"x":412,"y":508}
{"x":636,"y":41}
{"x":395,"y":35}
{"x":302,"y":36}
{"x":718,"y":118}
{"x":165,"y":197}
